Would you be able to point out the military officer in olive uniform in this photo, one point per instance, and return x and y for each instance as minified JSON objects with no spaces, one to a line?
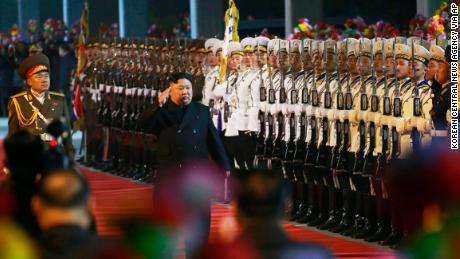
{"x":34,"y":108}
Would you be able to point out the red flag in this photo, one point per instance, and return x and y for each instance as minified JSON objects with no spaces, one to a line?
{"x":77,"y":104}
{"x":81,"y":60}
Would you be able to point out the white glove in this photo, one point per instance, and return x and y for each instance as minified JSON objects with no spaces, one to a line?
{"x":377,"y":117}
{"x":423,"y":125}
{"x":331,"y":114}
{"x":400,"y":124}
{"x":342,"y":115}
{"x":353,"y":115}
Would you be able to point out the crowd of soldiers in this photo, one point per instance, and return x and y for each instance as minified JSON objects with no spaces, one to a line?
{"x":330,"y":116}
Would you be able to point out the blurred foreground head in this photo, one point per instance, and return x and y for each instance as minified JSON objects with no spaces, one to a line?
{"x":426,"y":187}
{"x":62,"y":198}
{"x":24,"y":155}
{"x":261,"y":195}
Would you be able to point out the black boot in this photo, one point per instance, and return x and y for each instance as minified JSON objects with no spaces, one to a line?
{"x":346,"y":222}
{"x":370,"y":225}
{"x":358,"y":220}
{"x":300,"y":187}
{"x":383,"y":223}
{"x":393,"y":239}
{"x":312,"y":209}
{"x":322,"y":206}
{"x":334,"y":209}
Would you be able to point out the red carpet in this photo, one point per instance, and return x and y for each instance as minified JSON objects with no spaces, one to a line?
{"x":116,"y":196}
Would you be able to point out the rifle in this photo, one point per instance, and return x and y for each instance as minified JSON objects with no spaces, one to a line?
{"x":385,"y":131}
{"x":359,"y":157}
{"x":312,"y":150}
{"x":263,"y":98}
{"x":396,"y":112}
{"x":324,"y":151}
{"x":300,"y":147}
{"x":291,"y":145}
{"x":270,"y":138}
{"x":345,"y":158}
{"x":370,"y":162}
{"x":278,"y":151}
{"x":340,"y":107}
{"x":177,"y":51}
{"x":417,"y":109}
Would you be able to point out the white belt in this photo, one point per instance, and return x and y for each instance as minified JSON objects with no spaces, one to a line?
{"x":46,"y":137}
{"x":438,"y":133}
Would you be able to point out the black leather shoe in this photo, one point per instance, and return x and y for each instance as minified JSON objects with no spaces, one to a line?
{"x":383,"y":231}
{"x":393,"y":239}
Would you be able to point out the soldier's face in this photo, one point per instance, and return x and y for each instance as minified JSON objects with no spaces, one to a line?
{"x":341,"y":60}
{"x":317,"y":62}
{"x":199,"y":58}
{"x":443,"y":73}
{"x":211,"y":59}
{"x":273,"y":60}
{"x":431,"y":69}
{"x":390,"y":66}
{"x":255,"y":60}
{"x":104,"y":53}
{"x":39,"y":82}
{"x":353,"y":64}
{"x":181,"y":92}
{"x":364,"y":68}
{"x":419,"y":70}
{"x":284,"y":61}
{"x":247,"y":58}
{"x":378,"y":63}
{"x":219,"y":58}
{"x":307,"y":61}
{"x":235,"y":62}
{"x":330,"y":66}
{"x":402,"y":68}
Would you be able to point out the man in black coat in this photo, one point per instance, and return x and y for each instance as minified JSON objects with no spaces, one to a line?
{"x":184,"y":129}
{"x":186,"y":138}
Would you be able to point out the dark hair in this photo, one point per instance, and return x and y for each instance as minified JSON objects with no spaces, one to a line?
{"x":24,"y":154}
{"x":175,"y":77}
{"x":261,"y":193}
{"x":63,"y":196}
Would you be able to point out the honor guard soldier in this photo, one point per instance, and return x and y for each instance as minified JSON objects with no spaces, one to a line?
{"x":280,"y":111}
{"x":227,"y":90}
{"x":248,"y":99}
{"x":257,"y":110}
{"x":212,"y":70}
{"x":441,"y":113}
{"x":293,"y":83}
{"x":34,"y":108}
{"x":199,"y":72}
{"x":403,"y":59}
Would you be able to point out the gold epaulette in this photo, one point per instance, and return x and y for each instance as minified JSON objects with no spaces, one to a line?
{"x":56,"y":93}
{"x":19,"y":94}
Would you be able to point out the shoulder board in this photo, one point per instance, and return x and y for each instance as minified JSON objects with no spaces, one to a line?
{"x":404,"y":84}
{"x":334,"y":75}
{"x":19,"y":94}
{"x":381,"y":81}
{"x":368,"y":79}
{"x":320,"y":77}
{"x":355,"y":80}
{"x":423,"y":83}
{"x":56,"y":93}
{"x":301,"y":73}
